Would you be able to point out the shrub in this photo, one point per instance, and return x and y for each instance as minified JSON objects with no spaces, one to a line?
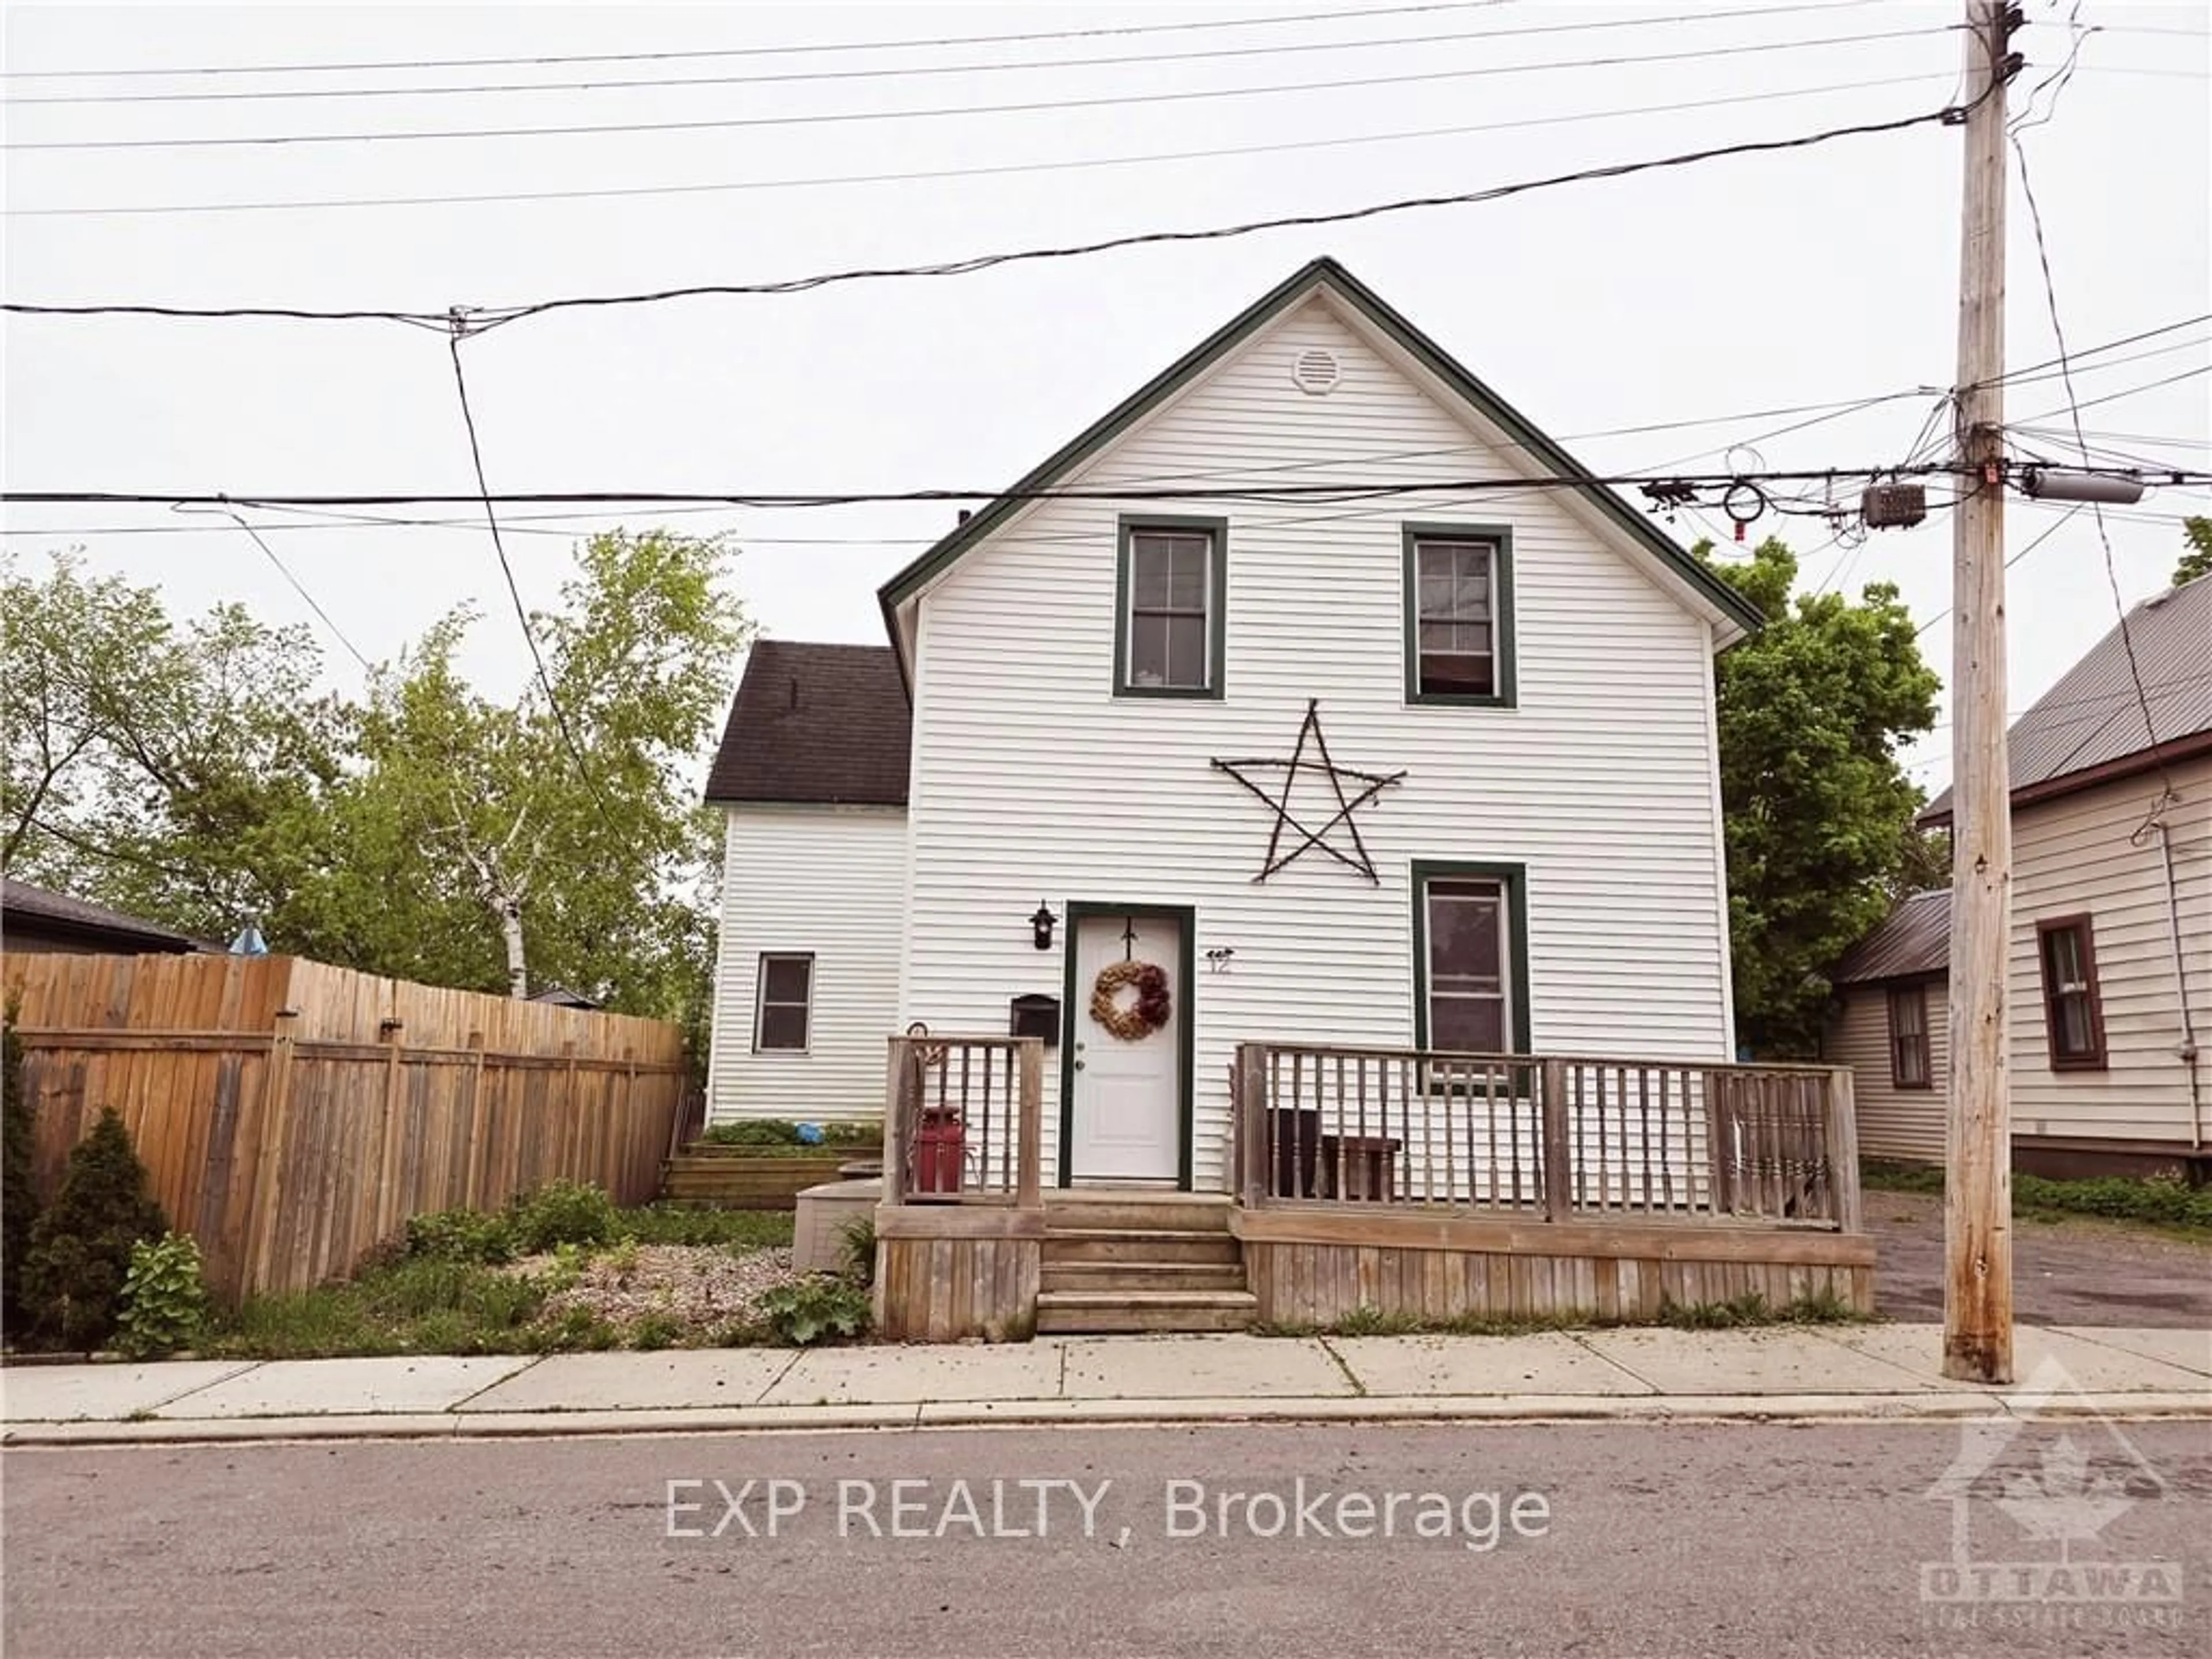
{"x":19,"y":1201}
{"x":80,"y":1252}
{"x":856,"y":1248}
{"x":816,"y":1310}
{"x":164,"y":1299}
{"x":461,"y":1236}
{"x":562,"y":1212}
{"x":755,"y":1132}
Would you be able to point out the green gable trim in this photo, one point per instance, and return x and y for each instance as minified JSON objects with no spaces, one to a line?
{"x":1516,"y":426}
{"x":1515,"y":877}
{"x":1216,"y":611}
{"x":1500,"y":538}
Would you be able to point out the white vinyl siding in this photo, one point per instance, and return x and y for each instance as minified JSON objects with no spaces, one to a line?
{"x":1032,"y":778}
{"x":2074,"y":856}
{"x":1893,"y":1122}
{"x":825,"y":882}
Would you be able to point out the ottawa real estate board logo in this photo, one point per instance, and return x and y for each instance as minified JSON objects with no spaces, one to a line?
{"x":2031,"y":1496}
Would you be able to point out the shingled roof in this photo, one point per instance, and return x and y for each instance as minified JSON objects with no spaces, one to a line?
{"x":1914,"y":938}
{"x":40,"y":913}
{"x":823,"y":724}
{"x":2089,"y":727}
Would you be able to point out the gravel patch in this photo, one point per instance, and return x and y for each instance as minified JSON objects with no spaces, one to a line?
{"x":699,"y":1285}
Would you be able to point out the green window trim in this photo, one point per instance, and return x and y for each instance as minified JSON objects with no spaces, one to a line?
{"x":1515,"y":879}
{"x":1500,"y":539}
{"x":1216,"y":610}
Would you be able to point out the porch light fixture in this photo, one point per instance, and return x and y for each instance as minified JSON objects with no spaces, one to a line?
{"x":1041,"y":927}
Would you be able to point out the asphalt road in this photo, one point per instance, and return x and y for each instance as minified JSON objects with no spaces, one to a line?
{"x":1648,"y":1541}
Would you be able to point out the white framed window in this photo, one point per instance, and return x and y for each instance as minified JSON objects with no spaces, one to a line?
{"x":783,"y":1002}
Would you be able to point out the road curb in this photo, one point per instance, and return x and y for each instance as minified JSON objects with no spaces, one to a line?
{"x":1928,"y":1406}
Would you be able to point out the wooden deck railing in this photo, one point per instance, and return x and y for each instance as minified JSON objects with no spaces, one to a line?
{"x":1550,"y":1136}
{"x":963,"y":1121}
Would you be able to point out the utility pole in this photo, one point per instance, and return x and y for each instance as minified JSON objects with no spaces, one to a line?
{"x":1977,"y":1184}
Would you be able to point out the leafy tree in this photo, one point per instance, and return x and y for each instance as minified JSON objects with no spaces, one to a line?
{"x":1819,"y":812}
{"x":19,"y":1200}
{"x":80,"y":1252}
{"x":176,"y":773}
{"x":198,"y":775}
{"x":2196,"y":533}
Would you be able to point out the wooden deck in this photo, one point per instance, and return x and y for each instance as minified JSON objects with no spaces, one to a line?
{"x":1424,"y":1185}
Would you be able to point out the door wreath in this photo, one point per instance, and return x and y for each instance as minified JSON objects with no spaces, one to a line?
{"x":1136,"y":1020}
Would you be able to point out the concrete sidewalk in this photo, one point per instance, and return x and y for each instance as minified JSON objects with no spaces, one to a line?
{"x":1810,"y":1373}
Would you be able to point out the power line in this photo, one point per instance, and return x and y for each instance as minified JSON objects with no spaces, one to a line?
{"x":2114,"y":396}
{"x":1005,"y":169}
{"x":299,"y":588}
{"x":540,"y":61}
{"x":2009,"y":564}
{"x":499,"y":546}
{"x":908,"y":71}
{"x":2104,"y":536}
{"x":826,"y":117}
{"x":1338,"y":490}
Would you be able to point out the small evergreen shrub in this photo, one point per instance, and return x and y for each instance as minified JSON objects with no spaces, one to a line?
{"x":19,"y":1201}
{"x":80,"y":1252}
{"x":164,"y":1299}
{"x":816,"y":1310}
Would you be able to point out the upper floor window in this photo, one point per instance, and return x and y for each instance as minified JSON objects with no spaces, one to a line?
{"x":1170,"y":606}
{"x":2072,"y":1015}
{"x":1459,"y":615}
{"x":785,"y":996}
{"x":1908,"y":1067}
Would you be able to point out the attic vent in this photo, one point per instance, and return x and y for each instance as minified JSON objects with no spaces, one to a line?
{"x":1315,"y":372}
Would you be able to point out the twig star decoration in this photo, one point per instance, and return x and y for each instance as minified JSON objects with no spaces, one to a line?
{"x":1373,"y":784}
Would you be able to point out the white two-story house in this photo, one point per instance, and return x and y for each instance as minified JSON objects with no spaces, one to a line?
{"x":1194,"y":737}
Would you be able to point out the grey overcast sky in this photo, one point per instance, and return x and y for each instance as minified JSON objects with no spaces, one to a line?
{"x":1738,"y":285}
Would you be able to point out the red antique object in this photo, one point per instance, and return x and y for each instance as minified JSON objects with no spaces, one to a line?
{"x":939,"y":1142}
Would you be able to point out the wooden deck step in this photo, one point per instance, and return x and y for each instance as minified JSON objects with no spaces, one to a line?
{"x":1068,"y":1245}
{"x":1103,"y":1312}
{"x":1086,"y":1211}
{"x":1143,"y":1276}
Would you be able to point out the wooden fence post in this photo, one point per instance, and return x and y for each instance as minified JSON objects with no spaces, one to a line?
{"x":471,"y":1193}
{"x":269,"y":1160}
{"x":895,"y":1126}
{"x":1558,"y":1175}
{"x":1720,"y":1143}
{"x":391,"y":1143}
{"x":1843,"y":1124}
{"x":1029,"y":1194}
{"x":1251,"y":1122}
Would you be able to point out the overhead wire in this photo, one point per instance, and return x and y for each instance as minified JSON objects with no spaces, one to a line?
{"x":542,"y":60}
{"x":1059,"y":105}
{"x":506,"y":569}
{"x":298,"y":587}
{"x":906,"y":71}
{"x":993,"y":170}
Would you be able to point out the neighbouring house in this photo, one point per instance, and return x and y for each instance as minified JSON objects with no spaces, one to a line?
{"x":36,"y":919}
{"x":1890,"y":1022}
{"x":2111,"y":976}
{"x":1154,"y":771}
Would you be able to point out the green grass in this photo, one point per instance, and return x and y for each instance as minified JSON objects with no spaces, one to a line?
{"x":2159,"y":1203}
{"x":1821,"y":1308}
{"x":398,"y":1304}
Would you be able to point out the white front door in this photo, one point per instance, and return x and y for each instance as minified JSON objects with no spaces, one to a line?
{"x":1126,"y":1114}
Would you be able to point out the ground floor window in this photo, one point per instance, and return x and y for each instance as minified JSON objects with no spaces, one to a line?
{"x":1470,"y":927}
{"x":785,"y":996}
{"x":2073,"y":1016}
{"x":1908,"y":1038}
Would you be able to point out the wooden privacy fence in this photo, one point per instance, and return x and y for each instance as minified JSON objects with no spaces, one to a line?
{"x":292,"y":1115}
{"x":1554,"y":1136}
